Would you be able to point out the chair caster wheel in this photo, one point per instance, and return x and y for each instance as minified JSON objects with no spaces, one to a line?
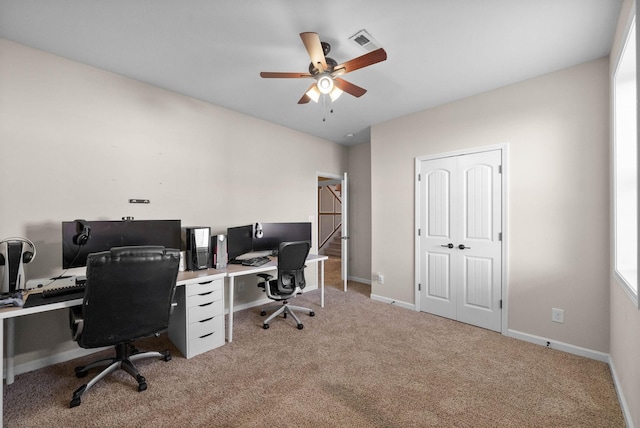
{"x":142,"y":383}
{"x":167,"y":356}
{"x":81,"y":373}
{"x":74,"y":403}
{"x":300,"y":326}
{"x":262,"y":313}
{"x":265,"y":326}
{"x":312,"y":314}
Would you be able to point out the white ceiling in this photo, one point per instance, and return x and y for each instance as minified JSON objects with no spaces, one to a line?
{"x":438,"y":50}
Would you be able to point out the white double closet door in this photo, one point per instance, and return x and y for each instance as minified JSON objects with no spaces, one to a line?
{"x":460,"y":246}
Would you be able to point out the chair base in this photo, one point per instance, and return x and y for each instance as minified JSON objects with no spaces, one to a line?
{"x":125,"y":355}
{"x":285,"y":309}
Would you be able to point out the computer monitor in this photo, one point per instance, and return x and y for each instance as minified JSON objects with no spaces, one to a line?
{"x":239,"y":241}
{"x":275,"y":233}
{"x":104,"y":235}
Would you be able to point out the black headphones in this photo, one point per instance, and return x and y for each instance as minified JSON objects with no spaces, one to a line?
{"x":258,"y":231}
{"x":27,"y":254}
{"x":83,"y":232}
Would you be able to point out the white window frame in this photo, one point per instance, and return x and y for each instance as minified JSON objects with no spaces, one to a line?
{"x":627,"y":280}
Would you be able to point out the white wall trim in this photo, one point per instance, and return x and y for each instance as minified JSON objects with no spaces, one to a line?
{"x":383,"y":299}
{"x":362,"y":280}
{"x":51,"y":359}
{"x":560,"y":346}
{"x":623,"y":402}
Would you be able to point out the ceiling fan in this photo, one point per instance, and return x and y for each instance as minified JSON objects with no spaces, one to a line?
{"x":326,"y":71}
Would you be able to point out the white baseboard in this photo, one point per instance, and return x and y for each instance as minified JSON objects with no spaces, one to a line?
{"x":561,"y":346}
{"x":60,"y":357}
{"x":362,"y":280}
{"x":393,"y":302}
{"x":621,"y":398}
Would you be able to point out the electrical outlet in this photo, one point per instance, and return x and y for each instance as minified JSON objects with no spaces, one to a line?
{"x":557,"y":315}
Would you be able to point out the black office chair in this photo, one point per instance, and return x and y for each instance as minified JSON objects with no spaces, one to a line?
{"x":290,"y":280}
{"x":128,"y":296}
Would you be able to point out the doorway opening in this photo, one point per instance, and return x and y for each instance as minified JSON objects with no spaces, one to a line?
{"x":332,"y":226}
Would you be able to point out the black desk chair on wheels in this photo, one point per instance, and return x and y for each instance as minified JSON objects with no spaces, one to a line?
{"x":290,"y":280}
{"x":128,"y":296}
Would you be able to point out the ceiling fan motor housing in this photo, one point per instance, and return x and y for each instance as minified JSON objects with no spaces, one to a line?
{"x":331,"y":65}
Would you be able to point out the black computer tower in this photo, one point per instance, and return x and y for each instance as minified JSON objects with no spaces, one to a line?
{"x":198,"y":247}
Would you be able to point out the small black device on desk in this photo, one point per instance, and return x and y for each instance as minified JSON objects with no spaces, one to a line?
{"x":256,"y":261}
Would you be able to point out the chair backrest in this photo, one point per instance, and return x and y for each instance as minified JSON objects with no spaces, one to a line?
{"x":291,"y":260}
{"x":128,"y":294}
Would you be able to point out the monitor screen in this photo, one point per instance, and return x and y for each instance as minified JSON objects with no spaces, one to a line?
{"x":105,"y":235}
{"x":275,"y":233}
{"x":239,"y":241}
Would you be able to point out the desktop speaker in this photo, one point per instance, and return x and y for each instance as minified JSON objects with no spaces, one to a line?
{"x":219,"y":251}
{"x":197,"y":246}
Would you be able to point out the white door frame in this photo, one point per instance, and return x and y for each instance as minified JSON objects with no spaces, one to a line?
{"x":504,"y":148}
{"x":342,"y":178}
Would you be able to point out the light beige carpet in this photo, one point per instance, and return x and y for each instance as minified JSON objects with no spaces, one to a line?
{"x":357,"y":363}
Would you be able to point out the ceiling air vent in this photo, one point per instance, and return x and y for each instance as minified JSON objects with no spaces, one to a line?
{"x":364,"y":39}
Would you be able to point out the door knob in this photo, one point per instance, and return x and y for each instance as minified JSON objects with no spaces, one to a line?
{"x":449,"y":245}
{"x":462,"y":247}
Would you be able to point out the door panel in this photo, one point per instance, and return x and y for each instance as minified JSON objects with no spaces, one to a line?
{"x":437,"y":295}
{"x":438,"y":203}
{"x":461,"y":205}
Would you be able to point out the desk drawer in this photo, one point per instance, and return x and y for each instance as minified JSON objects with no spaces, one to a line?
{"x":204,"y":311}
{"x":206,"y":326}
{"x":206,"y":343}
{"x":204,"y":297}
{"x":204,"y":287}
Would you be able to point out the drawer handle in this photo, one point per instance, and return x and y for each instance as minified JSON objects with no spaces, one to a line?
{"x":208,"y":319}
{"x":206,"y":304}
{"x":202,"y":337}
{"x":204,"y":294}
{"x":207,"y":282}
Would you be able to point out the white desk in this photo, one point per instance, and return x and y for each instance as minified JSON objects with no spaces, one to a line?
{"x":231,"y":272}
{"x":234,"y":271}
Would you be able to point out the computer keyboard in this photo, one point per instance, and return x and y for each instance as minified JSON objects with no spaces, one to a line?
{"x":63,"y":291}
{"x":256,"y":261}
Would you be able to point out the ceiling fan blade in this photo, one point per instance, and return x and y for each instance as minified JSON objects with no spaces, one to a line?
{"x":349,"y":88}
{"x":365,"y":60}
{"x":305,"y":99}
{"x":314,"y":48}
{"x":278,"y":75}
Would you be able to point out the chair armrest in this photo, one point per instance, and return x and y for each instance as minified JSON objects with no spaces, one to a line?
{"x":76,"y":321}
{"x":265,"y":276}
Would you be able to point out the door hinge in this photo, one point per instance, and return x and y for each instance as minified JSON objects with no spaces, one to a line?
{"x":499,"y":169}
{"x":500,"y":303}
{"x":419,"y":287}
{"x":499,"y":236}
{"x":418,"y":232}
{"x":419,"y":177}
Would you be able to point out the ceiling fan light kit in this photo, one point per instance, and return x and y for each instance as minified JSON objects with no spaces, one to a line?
{"x":326,"y":71}
{"x":325,"y":84}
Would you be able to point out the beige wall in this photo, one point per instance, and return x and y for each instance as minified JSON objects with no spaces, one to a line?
{"x":556,"y":127}
{"x":360,"y":212}
{"x":78,"y":142}
{"x":624,"y":347}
